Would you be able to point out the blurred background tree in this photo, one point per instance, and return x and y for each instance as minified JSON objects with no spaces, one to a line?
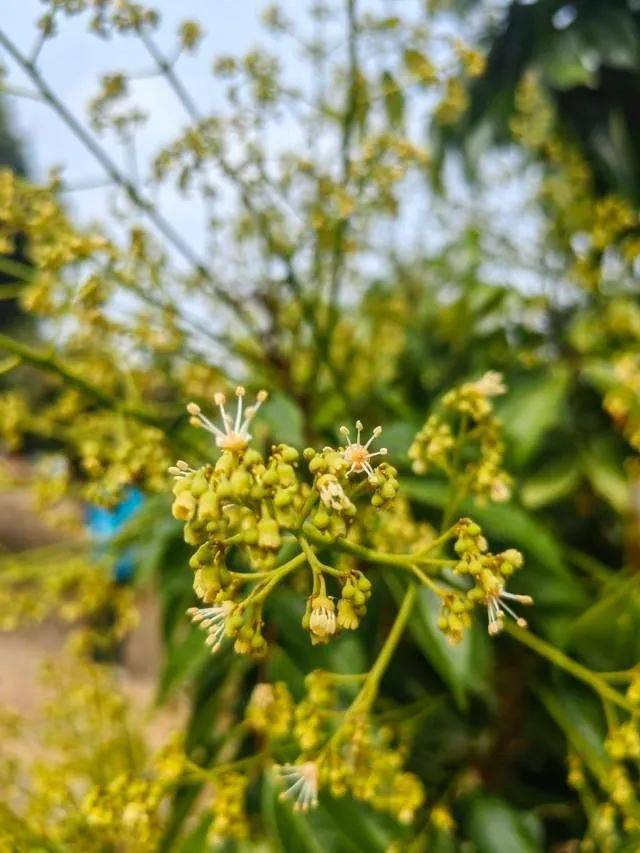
{"x":587,"y":57}
{"x":11,"y":314}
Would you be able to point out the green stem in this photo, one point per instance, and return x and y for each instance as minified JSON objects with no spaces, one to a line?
{"x":369,"y":691}
{"x":275,"y":576}
{"x":559,"y":659}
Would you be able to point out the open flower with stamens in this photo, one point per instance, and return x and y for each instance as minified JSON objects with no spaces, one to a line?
{"x":180,"y":470}
{"x":234,"y":435}
{"x":302,"y":784}
{"x":356,"y":454}
{"x":497,"y":607}
{"x":213,"y":620}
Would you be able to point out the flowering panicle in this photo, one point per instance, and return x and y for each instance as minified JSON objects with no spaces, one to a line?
{"x":463,"y":439}
{"x":489,"y":573}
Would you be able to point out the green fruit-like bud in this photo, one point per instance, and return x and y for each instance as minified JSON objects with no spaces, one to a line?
{"x":358,"y":597}
{"x":184,"y":506}
{"x":269,"y":534}
{"x":208,"y":507}
{"x":251,"y":458}
{"x":321,"y":519}
{"x":226,"y":464}
{"x":250,"y":536}
{"x":240,"y":482}
{"x":388,"y":491}
{"x":289,"y":454}
{"x":348,"y":590}
{"x":514,"y":557}
{"x":364,"y":583}
{"x":286,"y":475}
{"x":199,"y":484}
{"x":316,"y":464}
{"x":270,"y":477}
{"x":182,"y":485}
{"x":282,"y":499}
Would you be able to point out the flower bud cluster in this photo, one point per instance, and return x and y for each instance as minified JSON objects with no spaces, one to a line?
{"x":364,"y":764}
{"x":356,"y":591}
{"x":395,"y":531}
{"x":312,"y":714}
{"x":464,"y":439}
{"x":125,"y":808}
{"x":488,"y":573}
{"x":239,"y":498}
{"x":229,"y":817}
{"x":623,"y":743}
{"x":269,"y":711}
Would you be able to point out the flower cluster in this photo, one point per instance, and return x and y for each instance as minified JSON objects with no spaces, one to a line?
{"x":488,"y":573}
{"x":241,"y":512}
{"x":615,"y":815}
{"x":464,"y":440}
{"x":228,"y":808}
{"x":269,"y":711}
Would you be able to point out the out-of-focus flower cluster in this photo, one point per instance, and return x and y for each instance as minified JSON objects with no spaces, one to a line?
{"x":65,"y":581}
{"x":464,"y":440}
{"x":615,"y":815}
{"x":87,"y":780}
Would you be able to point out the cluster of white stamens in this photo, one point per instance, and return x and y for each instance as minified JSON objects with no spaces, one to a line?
{"x":302,"y":781}
{"x":357,"y":454}
{"x":180,"y":470}
{"x":234,"y":435}
{"x":496,"y":608}
{"x":213,"y":620}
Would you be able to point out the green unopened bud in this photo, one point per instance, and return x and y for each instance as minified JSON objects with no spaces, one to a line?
{"x":269,"y":533}
{"x":184,"y":506}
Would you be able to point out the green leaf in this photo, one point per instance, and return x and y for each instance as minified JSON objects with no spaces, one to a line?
{"x":577,"y":711}
{"x":565,"y":62}
{"x":182,"y":661}
{"x":355,"y":827}
{"x":534,"y":406}
{"x":550,"y":483}
{"x":463,"y":667}
{"x":602,"y":465}
{"x":606,"y":634}
{"x":611,"y":32}
{"x":284,"y":420}
{"x":496,"y":827}
{"x":419,"y":66}
{"x":393,"y":98}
